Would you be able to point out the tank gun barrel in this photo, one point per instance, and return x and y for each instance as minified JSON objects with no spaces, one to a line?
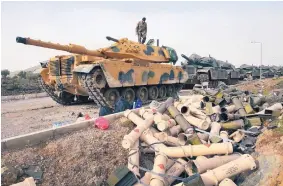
{"x":112,"y":39}
{"x":186,"y":57}
{"x":72,"y":48}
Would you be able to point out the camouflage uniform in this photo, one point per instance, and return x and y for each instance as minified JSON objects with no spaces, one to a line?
{"x":141,"y":30}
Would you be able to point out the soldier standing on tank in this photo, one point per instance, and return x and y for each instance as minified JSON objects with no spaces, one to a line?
{"x":141,"y":30}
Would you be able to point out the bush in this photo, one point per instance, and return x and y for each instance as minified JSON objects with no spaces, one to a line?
{"x":5,"y":73}
{"x":22,"y":74}
{"x":18,"y":85}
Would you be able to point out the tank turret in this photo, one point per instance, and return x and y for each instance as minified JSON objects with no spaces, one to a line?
{"x":121,"y":49}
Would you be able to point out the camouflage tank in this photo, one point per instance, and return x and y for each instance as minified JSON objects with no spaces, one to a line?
{"x":279,"y":71}
{"x":207,"y":69}
{"x":127,"y":68}
{"x":267,"y":72}
{"x":249,"y":72}
{"x":233,"y":73}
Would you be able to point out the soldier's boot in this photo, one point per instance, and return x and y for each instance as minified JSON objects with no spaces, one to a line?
{"x":143,"y":40}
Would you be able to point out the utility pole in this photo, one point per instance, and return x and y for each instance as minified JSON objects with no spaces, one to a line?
{"x":256,"y":42}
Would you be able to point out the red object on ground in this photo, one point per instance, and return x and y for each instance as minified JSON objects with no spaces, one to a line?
{"x":87,"y":117}
{"x":161,"y":166}
{"x":101,"y":123}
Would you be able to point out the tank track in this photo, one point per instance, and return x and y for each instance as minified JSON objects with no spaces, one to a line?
{"x":55,"y":97}
{"x":95,"y":93}
{"x":231,"y":81}
{"x":158,"y":99}
{"x":205,"y":78}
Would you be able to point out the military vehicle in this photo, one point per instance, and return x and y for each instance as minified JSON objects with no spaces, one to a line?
{"x":249,"y":72}
{"x":208,"y":69}
{"x":126,"y":68}
{"x":233,"y":73}
{"x":267,"y":72}
{"x":275,"y":70}
{"x":279,"y":71}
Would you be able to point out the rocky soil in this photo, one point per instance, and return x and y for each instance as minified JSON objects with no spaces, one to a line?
{"x":85,"y":157}
{"x":267,"y":84}
{"x":269,"y":154}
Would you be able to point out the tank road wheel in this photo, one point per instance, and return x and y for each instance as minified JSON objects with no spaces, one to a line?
{"x":142,"y":94}
{"x":111,"y":96}
{"x":153,"y":92}
{"x":99,"y":79}
{"x":162,"y":91}
{"x":213,"y":84}
{"x":231,"y":81}
{"x":170,"y":90}
{"x":129,"y":95}
{"x":178,"y":87}
{"x":235,"y":81}
{"x":203,"y":78}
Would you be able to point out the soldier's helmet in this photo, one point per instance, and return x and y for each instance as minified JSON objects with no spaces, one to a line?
{"x":143,"y":18}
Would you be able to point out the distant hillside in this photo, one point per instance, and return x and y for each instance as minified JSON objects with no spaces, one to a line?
{"x":22,"y":84}
{"x":35,"y":70}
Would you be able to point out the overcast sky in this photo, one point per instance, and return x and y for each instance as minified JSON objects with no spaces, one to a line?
{"x":222,"y":29}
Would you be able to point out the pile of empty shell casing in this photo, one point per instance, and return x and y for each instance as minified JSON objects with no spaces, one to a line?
{"x":198,"y":139}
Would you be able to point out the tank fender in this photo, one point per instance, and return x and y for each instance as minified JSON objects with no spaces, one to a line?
{"x":203,"y":70}
{"x":85,"y":68}
{"x":229,"y":71}
{"x":44,"y":74}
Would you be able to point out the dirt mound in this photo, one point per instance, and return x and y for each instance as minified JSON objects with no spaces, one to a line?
{"x":268,"y":85}
{"x":269,"y":146}
{"x":280,"y":84}
{"x":270,"y":142}
{"x":269,"y":155}
{"x":81,"y":158}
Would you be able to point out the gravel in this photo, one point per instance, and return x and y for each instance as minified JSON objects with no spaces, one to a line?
{"x":85,"y":157}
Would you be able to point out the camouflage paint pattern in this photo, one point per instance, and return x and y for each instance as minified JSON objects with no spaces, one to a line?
{"x":125,"y":63}
{"x":125,"y":74}
{"x":118,"y":73}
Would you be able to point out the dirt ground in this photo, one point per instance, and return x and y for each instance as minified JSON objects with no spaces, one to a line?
{"x":269,"y":151}
{"x":93,"y":157}
{"x":269,"y":155}
{"x":268,"y":85}
{"x":25,"y":116}
{"x":97,"y":153}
